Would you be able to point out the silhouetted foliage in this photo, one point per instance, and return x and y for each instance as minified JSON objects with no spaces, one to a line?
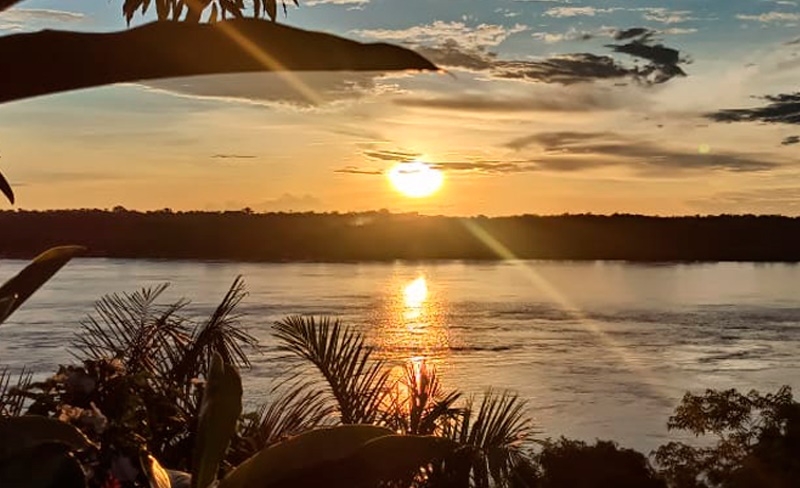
{"x":757,"y":441}
{"x":384,"y":236}
{"x":136,"y":384}
{"x":192,"y":10}
{"x":569,"y":463}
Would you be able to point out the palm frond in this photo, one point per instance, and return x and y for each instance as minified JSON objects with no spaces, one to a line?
{"x":493,"y":437}
{"x":418,"y":405}
{"x":356,"y":382}
{"x":12,"y":397}
{"x":133,"y":329}
{"x":286,"y":416}
{"x":221,"y":333}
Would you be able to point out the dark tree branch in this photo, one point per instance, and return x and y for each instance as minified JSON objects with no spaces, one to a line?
{"x":6,"y":4}
{"x":54,"y":61}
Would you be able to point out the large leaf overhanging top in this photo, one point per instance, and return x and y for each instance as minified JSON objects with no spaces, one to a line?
{"x":55,"y":61}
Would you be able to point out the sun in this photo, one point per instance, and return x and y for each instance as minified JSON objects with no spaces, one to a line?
{"x":415,"y":179}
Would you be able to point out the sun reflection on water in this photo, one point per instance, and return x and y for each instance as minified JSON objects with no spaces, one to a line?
{"x":414,"y":324}
{"x":414,"y":296}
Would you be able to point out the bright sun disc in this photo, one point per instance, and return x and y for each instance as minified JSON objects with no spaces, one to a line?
{"x":416,"y":179}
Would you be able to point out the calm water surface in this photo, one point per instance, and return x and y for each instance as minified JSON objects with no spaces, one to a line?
{"x":599,"y":349}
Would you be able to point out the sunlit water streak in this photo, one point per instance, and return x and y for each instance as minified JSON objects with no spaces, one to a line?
{"x":484,"y":324}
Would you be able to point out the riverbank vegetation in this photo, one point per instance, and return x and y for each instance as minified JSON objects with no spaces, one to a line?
{"x":154,"y":399}
{"x":373,"y":236}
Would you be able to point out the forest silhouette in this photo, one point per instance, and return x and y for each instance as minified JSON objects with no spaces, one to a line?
{"x":381,"y":235}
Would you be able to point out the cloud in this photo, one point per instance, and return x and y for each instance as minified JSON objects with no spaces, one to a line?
{"x":507,"y":13}
{"x":645,"y":34}
{"x":276,"y":89}
{"x":391,"y":155}
{"x":663,"y":62}
{"x":439,"y":32}
{"x":771,"y":17}
{"x":565,"y":69}
{"x":233,"y":156}
{"x":791,"y":140}
{"x":633,"y":33}
{"x":23,"y":14}
{"x":474,"y":166}
{"x":781,"y":200}
{"x":781,"y":109}
{"x":678,"y":31}
{"x":290,"y":202}
{"x":666,"y":16}
{"x":560,"y":12}
{"x":572,"y":34}
{"x":571,"y":151}
{"x":353,"y":170}
{"x":357,"y":132}
{"x":579,"y":151}
{"x":653,"y":14}
{"x":488,"y":167}
{"x":590,"y":98}
{"x":452,"y":54}
{"x":21,"y":19}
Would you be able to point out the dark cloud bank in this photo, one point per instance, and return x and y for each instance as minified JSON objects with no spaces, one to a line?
{"x":781,"y":109}
{"x":662,"y":63}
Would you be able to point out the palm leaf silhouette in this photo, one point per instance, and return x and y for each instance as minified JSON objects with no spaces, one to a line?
{"x":493,"y":438}
{"x":222,"y":334}
{"x":356,"y":382}
{"x":419,"y":405}
{"x":132,"y":328}
{"x":12,"y":396}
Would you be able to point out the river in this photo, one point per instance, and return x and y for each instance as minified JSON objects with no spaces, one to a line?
{"x":598,"y":349}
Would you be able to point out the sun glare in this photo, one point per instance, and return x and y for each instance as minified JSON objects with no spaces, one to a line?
{"x":416,"y":179}
{"x":415,"y":293}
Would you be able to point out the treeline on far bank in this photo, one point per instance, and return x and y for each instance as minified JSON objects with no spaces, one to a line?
{"x":380,"y":235}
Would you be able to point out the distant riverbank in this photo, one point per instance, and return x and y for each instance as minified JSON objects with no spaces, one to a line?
{"x":383,"y":236}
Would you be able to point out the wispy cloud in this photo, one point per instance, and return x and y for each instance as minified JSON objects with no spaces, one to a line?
{"x":560,"y":12}
{"x":790,"y":141}
{"x":473,"y":37}
{"x":399,"y":156}
{"x":354,"y":170}
{"x":233,"y":156}
{"x":571,"y":34}
{"x":288,"y":202}
{"x":666,"y":16}
{"x":475,"y":166}
{"x":781,"y":109}
{"x":20,"y":19}
{"x":539,"y":98}
{"x":579,"y":151}
{"x":771,"y":17}
{"x":663,"y":62}
{"x":571,"y":151}
{"x":781,"y":200}
{"x":272,"y":89}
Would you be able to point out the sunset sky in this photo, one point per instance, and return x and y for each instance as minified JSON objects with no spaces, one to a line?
{"x":548,"y":107}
